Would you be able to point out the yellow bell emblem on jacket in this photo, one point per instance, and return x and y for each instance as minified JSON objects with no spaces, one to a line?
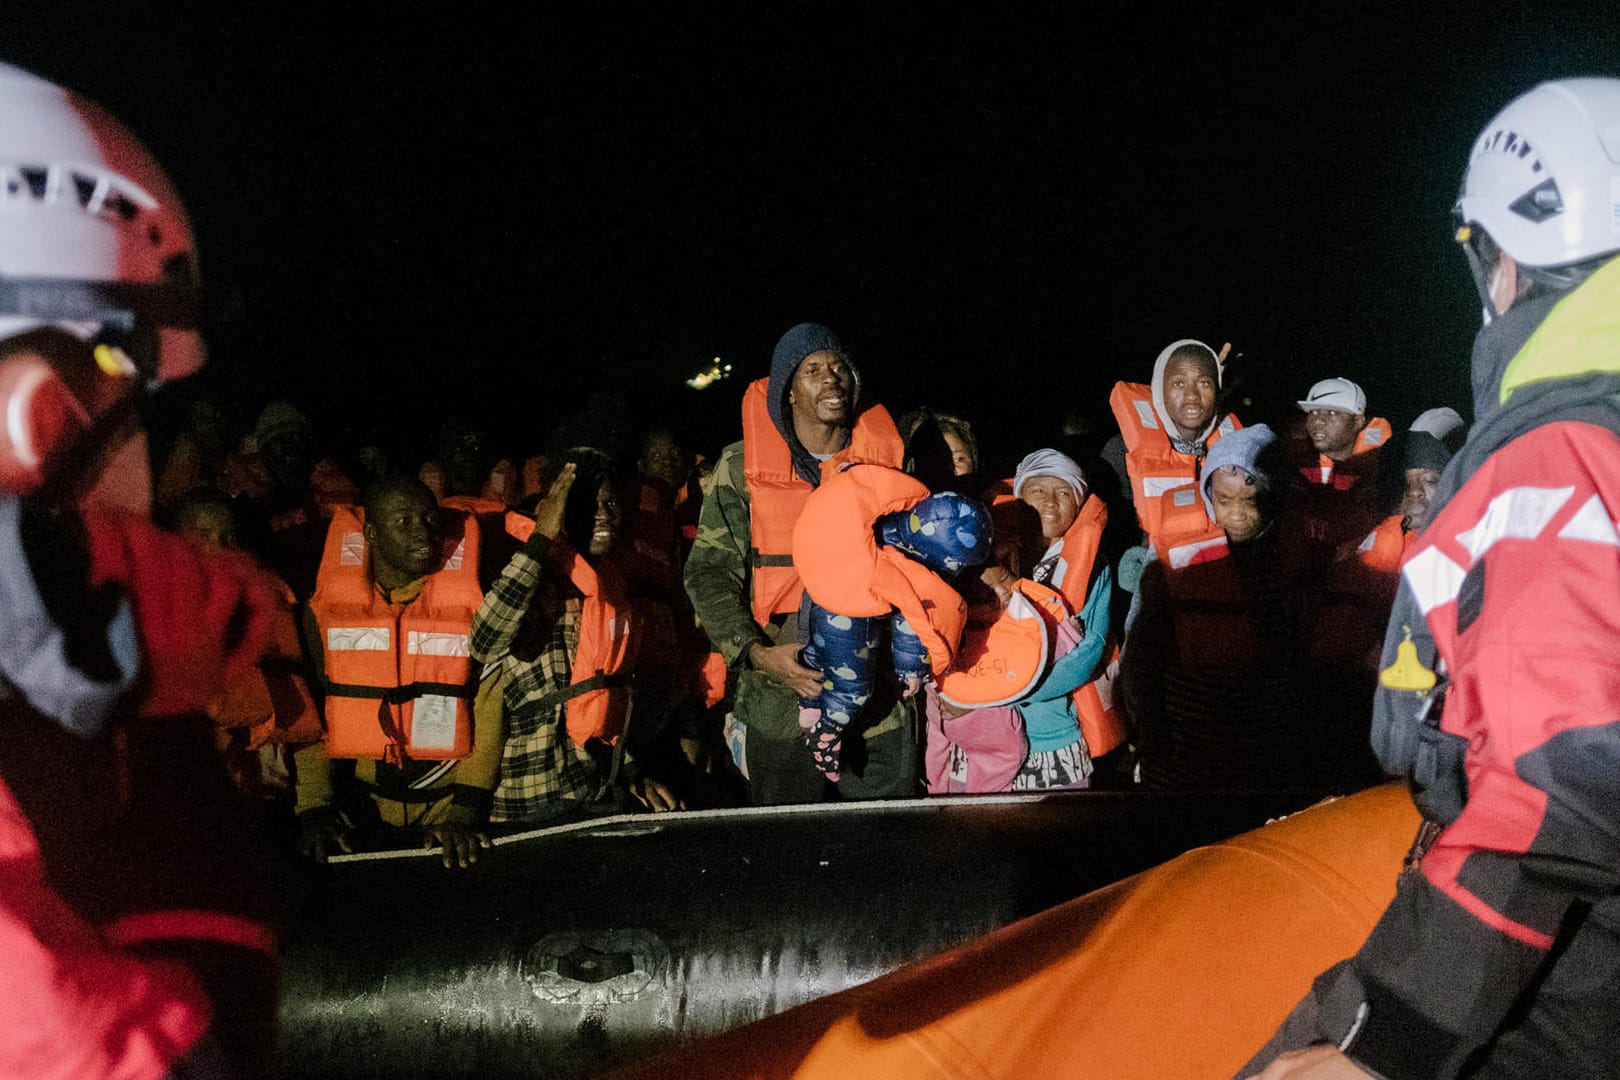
{"x":1407,"y":672}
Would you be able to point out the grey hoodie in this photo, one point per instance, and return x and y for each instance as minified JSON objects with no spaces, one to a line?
{"x":1172,"y":432}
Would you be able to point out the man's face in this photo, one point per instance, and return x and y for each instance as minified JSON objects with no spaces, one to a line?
{"x":961,"y":457}
{"x":1189,"y":394}
{"x":1054,"y":500}
{"x":823,"y":390}
{"x":663,"y":459}
{"x":1236,"y":501}
{"x":404,"y":532}
{"x":465,"y":454}
{"x":605,"y":526}
{"x":1418,"y":498}
{"x":1332,"y":432}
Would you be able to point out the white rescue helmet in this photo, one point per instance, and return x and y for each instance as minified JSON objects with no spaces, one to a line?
{"x":1544,"y":176}
{"x":93,"y":242}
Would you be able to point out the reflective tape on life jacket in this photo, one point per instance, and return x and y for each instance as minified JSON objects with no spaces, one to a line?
{"x":399,"y":677}
{"x":1186,"y":535}
{"x":837,"y":556}
{"x":1003,"y":661}
{"x":1344,"y":475}
{"x":776,"y":494}
{"x":1385,"y":547}
{"x":1156,"y":468}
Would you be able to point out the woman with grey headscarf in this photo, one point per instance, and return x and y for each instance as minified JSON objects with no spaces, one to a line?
{"x":1067,"y":731}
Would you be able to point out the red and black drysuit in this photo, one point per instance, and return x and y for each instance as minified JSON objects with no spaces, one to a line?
{"x":1500,"y":955}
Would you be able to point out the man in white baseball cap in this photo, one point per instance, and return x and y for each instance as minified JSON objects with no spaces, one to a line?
{"x":1337,"y":425}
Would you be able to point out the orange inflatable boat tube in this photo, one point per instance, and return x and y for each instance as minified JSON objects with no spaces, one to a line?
{"x":1179,"y":973}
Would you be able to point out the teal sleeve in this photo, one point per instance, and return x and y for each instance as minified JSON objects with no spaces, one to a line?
{"x":1078,"y":666}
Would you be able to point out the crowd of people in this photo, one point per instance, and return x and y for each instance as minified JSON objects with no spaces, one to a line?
{"x":842,"y":606}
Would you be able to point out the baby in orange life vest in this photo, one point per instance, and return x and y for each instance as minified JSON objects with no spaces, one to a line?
{"x":870,"y":548}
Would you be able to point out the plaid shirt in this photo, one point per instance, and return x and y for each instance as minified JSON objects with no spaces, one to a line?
{"x":529,"y":623}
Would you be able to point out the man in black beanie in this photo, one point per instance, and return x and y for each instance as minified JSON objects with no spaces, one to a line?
{"x":741,"y":579}
{"x":1429,"y":447}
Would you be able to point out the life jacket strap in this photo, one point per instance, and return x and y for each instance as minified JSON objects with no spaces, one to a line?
{"x":756,"y":558}
{"x":600,"y":681}
{"x":397,"y":695}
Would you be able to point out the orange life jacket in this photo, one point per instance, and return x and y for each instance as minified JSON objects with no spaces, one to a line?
{"x":598,"y":695}
{"x":1345,"y":474}
{"x":1386,"y":546}
{"x":501,"y":487}
{"x":776,"y":493}
{"x":399,"y":678}
{"x":1100,"y":723}
{"x":839,"y":561}
{"x":1002,"y":661}
{"x":477,"y":505}
{"x":1186,"y":534}
{"x":1155,"y":467}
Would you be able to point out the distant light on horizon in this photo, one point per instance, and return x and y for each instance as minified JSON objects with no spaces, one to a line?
{"x":706,"y":378}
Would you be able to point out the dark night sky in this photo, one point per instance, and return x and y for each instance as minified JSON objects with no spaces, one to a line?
{"x":1002,"y":210}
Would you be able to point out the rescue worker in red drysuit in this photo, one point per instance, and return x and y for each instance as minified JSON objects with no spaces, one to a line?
{"x":1500,"y":955}
{"x":133,"y":923}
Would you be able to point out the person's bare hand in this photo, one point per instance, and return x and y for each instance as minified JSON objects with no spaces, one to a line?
{"x":319,"y":839}
{"x":655,"y":796}
{"x":781,"y":664}
{"x":459,"y":841}
{"x":1317,"y":1063}
{"x":548,"y":516}
{"x":1001,"y":580}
